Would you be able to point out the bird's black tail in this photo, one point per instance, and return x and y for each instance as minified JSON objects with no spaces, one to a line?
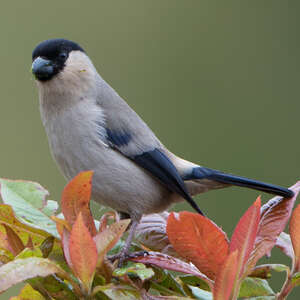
{"x":206,"y":173}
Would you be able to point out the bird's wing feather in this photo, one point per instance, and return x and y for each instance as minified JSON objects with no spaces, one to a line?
{"x":154,"y":160}
{"x":212,"y":179}
{"x":127,"y":133}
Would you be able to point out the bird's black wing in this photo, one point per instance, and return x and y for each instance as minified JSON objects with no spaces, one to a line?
{"x":153,"y":159}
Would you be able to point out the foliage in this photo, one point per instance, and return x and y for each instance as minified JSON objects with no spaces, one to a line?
{"x":188,"y":256}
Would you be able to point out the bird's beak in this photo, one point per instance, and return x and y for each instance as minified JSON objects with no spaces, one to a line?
{"x":42,"y":69}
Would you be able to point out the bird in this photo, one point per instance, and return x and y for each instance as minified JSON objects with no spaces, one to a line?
{"x":90,"y":127}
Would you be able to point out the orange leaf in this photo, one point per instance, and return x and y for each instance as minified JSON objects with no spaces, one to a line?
{"x":83,"y":252}
{"x":244,"y":235}
{"x":295,"y":236}
{"x":76,"y":198}
{"x":15,"y":243}
{"x":103,"y":223}
{"x":106,"y":239}
{"x":199,"y":240}
{"x":226,"y":277}
{"x":60,"y":225}
{"x":273,"y":218}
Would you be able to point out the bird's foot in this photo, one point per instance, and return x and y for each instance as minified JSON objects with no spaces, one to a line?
{"x":125,"y":255}
{"x":138,"y":254}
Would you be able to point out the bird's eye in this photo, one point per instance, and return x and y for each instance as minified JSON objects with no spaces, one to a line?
{"x":63,"y":55}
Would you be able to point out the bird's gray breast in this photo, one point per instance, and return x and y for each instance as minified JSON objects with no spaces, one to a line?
{"x":79,"y":141}
{"x":76,"y":141}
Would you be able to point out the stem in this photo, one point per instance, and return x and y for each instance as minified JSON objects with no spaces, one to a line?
{"x":286,"y":289}
{"x":235,"y":292}
{"x":75,"y":286}
{"x":287,"y":286}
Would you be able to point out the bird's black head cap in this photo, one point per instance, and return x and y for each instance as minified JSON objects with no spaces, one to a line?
{"x":52,"y":48}
{"x":49,"y":57}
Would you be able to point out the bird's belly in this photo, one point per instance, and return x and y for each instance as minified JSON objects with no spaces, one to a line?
{"x":117,"y":182}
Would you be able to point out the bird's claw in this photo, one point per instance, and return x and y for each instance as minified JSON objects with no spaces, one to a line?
{"x":138,"y":253}
{"x":123,"y":256}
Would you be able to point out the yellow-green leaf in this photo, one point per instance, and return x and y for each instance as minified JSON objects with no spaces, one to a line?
{"x":19,"y":270}
{"x":253,"y":287}
{"x":8,"y":218}
{"x":137,"y":269}
{"x":28,"y":293}
{"x":36,"y":252}
{"x":28,"y":200}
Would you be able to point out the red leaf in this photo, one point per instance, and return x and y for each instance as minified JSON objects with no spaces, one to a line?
{"x":83,"y":252}
{"x":106,"y":239}
{"x":151,"y":233}
{"x":15,"y":243}
{"x":244,"y":235}
{"x":76,"y":198}
{"x":170,"y":263}
{"x":198,"y":239}
{"x":66,"y":246}
{"x":273,"y":218}
{"x":226,"y":277}
{"x":295,"y":236}
{"x":284,"y":243}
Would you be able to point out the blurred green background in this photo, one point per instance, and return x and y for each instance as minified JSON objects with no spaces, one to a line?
{"x":217,"y":81}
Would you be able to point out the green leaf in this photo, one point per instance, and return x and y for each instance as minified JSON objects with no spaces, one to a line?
{"x":50,"y":208}
{"x":279,"y":268}
{"x":47,"y":246}
{"x":28,"y":200}
{"x":117,"y":292}
{"x":264,"y":271}
{"x":21,"y":269}
{"x":28,"y":293}
{"x":165,"y":283}
{"x":138,"y":270}
{"x":261,"y":271}
{"x":296,"y":279}
{"x":252,"y":287}
{"x":201,"y":294}
{"x":5,"y":256}
{"x":164,"y":261}
{"x":262,"y":298}
{"x":194,"y":281}
{"x":53,"y":286}
{"x":36,"y":252}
